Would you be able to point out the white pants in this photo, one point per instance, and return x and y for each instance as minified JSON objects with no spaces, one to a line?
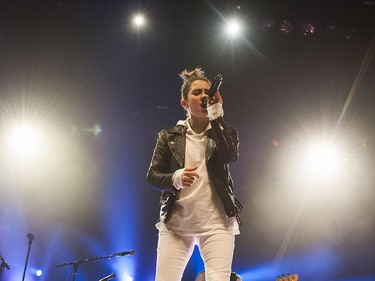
{"x":174,"y":253}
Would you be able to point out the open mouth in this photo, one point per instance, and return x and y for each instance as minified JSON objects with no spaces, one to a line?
{"x":204,"y":102}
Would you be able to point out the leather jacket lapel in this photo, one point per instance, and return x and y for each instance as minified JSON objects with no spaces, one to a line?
{"x":177,"y":146}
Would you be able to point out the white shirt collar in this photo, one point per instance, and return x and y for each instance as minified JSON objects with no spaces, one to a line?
{"x":186,"y":123}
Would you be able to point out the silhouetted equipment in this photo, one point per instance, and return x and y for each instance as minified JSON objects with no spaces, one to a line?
{"x":76,"y":263}
{"x":108,"y":277}
{"x":30,"y":236}
{"x":3,"y":265}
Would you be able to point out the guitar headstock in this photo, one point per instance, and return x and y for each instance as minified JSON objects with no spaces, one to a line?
{"x":287,"y":277}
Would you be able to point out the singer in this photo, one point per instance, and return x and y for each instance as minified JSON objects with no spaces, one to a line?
{"x":190,"y":166}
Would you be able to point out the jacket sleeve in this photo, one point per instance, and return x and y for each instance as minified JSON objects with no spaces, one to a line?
{"x":227,"y":140}
{"x":159,"y":175}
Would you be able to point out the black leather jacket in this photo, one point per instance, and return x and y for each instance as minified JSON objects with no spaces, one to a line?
{"x":222,"y":149}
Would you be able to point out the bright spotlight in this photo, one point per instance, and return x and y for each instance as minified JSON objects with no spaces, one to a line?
{"x":24,"y":139}
{"x":36,"y":272}
{"x":322,"y":157}
{"x":321,"y":162}
{"x":233,"y":28}
{"x":139,"y":20}
{"x":316,"y":164}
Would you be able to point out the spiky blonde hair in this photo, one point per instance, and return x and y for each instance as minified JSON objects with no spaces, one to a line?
{"x":189,"y":77}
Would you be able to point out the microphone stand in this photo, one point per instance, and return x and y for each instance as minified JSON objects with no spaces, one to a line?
{"x":3,"y":265}
{"x":76,"y":263}
{"x":108,"y":277}
{"x":31,"y":238}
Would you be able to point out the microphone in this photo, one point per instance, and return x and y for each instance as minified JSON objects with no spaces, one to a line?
{"x":212,"y":90}
{"x":215,"y":85}
{"x":109,"y":277}
{"x":30,"y":236}
{"x":125,"y":253}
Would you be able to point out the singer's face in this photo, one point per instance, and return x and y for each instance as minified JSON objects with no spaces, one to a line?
{"x":193,"y":104}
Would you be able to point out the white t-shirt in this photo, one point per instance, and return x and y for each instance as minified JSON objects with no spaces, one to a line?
{"x":198,"y":209}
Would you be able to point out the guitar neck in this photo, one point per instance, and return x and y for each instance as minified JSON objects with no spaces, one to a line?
{"x":287,"y":277}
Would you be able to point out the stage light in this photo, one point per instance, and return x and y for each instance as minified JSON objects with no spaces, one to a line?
{"x":24,"y":136}
{"x":95,"y":130}
{"x":25,"y":140}
{"x":286,"y":27}
{"x":233,"y":28}
{"x":317,"y":164}
{"x":322,"y":158}
{"x":125,"y":276}
{"x":36,"y":272}
{"x":269,"y":23}
{"x":139,"y":20}
{"x":308,"y":29}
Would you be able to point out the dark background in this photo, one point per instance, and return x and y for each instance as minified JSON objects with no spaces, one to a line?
{"x":73,"y":66}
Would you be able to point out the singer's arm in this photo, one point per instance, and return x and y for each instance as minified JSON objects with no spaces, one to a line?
{"x":227,"y":140}
{"x":160,"y":172}
{"x":226,"y":137}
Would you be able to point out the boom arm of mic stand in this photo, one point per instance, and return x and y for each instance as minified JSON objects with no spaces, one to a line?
{"x":76,"y":263}
{"x":96,"y":258}
{"x":125,"y":253}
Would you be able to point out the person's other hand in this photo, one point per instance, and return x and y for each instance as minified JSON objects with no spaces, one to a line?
{"x":188,"y":176}
{"x":216,"y":98}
